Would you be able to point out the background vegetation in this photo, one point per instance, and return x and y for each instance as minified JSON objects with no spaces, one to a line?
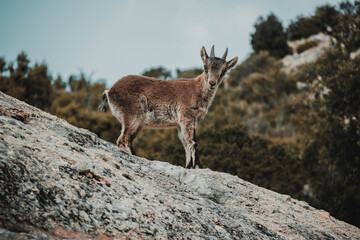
{"x":303,"y":142}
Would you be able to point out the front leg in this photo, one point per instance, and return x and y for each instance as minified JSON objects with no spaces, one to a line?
{"x":188,"y":138}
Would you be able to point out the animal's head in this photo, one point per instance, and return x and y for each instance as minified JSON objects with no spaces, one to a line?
{"x":215,"y":68}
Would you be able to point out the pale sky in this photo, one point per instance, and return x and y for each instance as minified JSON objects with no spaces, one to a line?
{"x":111,"y":39}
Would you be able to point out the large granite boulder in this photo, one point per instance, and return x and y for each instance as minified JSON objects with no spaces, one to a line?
{"x":61,"y":182}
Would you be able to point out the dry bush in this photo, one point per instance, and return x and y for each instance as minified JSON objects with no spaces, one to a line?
{"x":305,"y":46}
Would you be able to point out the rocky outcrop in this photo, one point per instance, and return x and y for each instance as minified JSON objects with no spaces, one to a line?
{"x":292,"y":62}
{"x":58,"y":181}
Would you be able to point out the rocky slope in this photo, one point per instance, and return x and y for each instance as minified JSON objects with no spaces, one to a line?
{"x":61,"y":182}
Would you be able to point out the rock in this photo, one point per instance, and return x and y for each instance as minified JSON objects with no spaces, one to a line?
{"x":292,"y":62}
{"x":61,"y":182}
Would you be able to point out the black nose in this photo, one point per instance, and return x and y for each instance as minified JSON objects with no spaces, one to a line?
{"x":212,"y":84}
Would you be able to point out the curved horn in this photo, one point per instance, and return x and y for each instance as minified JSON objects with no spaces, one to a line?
{"x":225,"y":54}
{"x":212,"y":54}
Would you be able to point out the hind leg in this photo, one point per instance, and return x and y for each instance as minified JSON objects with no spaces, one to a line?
{"x":128,"y":134}
{"x":132,"y":120}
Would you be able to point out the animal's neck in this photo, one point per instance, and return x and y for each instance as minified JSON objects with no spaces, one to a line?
{"x":207,"y":95}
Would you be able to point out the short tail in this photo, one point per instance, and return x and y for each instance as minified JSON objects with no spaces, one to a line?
{"x":104,"y":102}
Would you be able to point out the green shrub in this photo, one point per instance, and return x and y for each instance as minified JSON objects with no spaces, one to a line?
{"x":29,"y":84}
{"x":260,"y":62}
{"x":347,"y":28}
{"x":269,"y":35}
{"x":305,"y":46}
{"x":331,"y":123}
{"x":304,"y":27}
{"x":231,"y":149}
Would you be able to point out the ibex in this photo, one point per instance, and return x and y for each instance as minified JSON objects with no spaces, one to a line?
{"x":143,"y":102}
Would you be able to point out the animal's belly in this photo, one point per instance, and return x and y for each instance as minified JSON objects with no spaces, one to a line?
{"x":165,"y":125}
{"x":161,"y":117}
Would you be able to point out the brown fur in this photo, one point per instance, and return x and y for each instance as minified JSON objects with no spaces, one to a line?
{"x":143,"y":102}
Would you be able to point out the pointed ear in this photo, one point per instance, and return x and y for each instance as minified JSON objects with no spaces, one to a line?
{"x":203,"y":55}
{"x":232,"y":62}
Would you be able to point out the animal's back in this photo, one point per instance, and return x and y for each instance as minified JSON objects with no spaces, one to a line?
{"x":126,"y":86}
{"x":157,"y":90}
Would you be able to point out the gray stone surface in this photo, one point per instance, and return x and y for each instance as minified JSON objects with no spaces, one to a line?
{"x":295,"y":60}
{"x":61,"y":182}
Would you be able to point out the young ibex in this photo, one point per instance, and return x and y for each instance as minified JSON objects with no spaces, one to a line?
{"x":143,"y":102}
